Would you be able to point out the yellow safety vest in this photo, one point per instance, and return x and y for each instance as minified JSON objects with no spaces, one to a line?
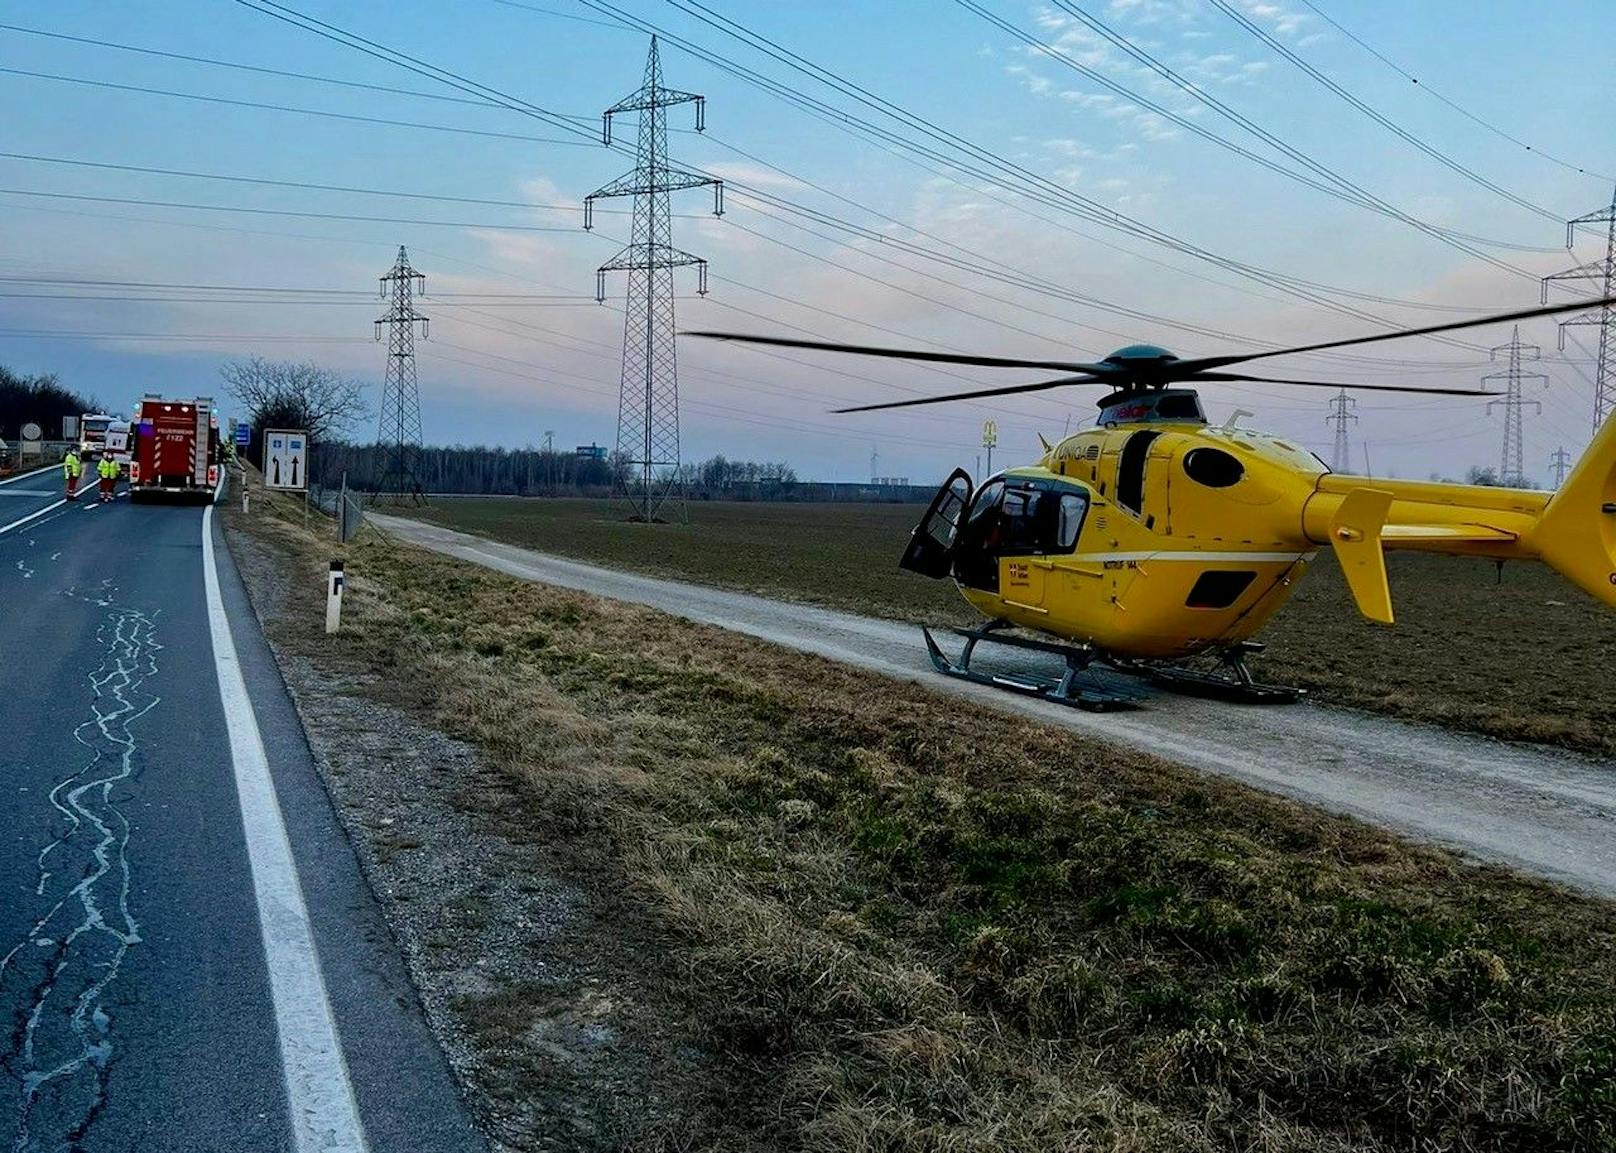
{"x":71,"y":465}
{"x":108,"y":468}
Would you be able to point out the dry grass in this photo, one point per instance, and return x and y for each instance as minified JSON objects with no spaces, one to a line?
{"x":897,"y":925}
{"x":1524,"y":657}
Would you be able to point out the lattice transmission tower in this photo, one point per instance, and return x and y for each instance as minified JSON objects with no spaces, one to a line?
{"x":1511,"y":461}
{"x":648,"y":400}
{"x":1560,"y":462}
{"x":1341,"y":415}
{"x":1599,"y":274}
{"x":400,"y":432}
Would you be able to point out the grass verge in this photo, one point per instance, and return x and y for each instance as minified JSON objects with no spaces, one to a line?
{"x":1517,"y":654}
{"x":895,"y":924}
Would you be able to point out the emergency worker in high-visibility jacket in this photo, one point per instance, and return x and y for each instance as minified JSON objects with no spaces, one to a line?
{"x":107,"y":470}
{"x":71,"y":469}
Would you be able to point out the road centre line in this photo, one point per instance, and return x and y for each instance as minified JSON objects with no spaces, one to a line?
{"x":323,"y":1112}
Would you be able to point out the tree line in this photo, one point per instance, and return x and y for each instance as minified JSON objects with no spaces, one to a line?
{"x":481,"y":470}
{"x":37,"y":400}
{"x":287,"y":394}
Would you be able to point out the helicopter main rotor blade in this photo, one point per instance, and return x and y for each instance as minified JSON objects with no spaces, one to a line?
{"x":1222,"y":376}
{"x":1191,"y":367}
{"x":1007,"y":390}
{"x":900,"y":353}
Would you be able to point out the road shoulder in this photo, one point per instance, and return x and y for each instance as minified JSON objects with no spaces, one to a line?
{"x":407,"y":1096}
{"x":533,"y":970}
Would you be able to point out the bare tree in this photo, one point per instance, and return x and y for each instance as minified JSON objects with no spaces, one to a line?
{"x":288,"y":394}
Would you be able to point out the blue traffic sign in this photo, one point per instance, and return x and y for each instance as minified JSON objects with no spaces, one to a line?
{"x":243,"y":435}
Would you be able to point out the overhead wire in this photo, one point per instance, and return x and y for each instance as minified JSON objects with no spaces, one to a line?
{"x":1063,"y":319}
{"x":1460,"y":109}
{"x":292,"y":16}
{"x":264,"y":106}
{"x":783,"y":203}
{"x":1464,"y":170}
{"x":1333,"y":183}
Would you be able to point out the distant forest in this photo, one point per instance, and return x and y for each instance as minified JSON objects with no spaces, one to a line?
{"x":534,"y":472}
{"x":39,"y":399}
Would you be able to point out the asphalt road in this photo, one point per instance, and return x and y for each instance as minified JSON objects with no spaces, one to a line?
{"x":1540,"y":809}
{"x":135,"y":935}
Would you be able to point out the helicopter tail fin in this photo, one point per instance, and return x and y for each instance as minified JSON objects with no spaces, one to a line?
{"x":1355,"y":534}
{"x":1576,"y":532}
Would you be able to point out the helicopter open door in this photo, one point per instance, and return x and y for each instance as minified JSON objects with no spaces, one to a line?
{"x":931,"y":546}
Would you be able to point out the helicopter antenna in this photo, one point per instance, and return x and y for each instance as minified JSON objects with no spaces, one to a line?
{"x":1234,"y":418}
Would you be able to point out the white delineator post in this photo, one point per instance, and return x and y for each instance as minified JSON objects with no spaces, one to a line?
{"x":333,"y":598}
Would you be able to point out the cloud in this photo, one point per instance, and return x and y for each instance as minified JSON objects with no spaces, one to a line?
{"x":757,"y":175}
{"x":1284,"y":21}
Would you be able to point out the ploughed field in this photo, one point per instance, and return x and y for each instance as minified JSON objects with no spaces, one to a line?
{"x":1520,"y":654}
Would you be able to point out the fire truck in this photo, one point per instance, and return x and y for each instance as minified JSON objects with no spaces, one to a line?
{"x":174,"y":448}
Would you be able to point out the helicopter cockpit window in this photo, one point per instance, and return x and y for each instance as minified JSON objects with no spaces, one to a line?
{"x":987,"y":499}
{"x":1025,"y":519}
{"x":1022,"y":520}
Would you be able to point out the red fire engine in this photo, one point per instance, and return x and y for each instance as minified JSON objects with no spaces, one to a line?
{"x":175,"y":447}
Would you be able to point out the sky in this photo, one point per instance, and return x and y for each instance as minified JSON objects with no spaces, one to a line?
{"x":991,"y":176}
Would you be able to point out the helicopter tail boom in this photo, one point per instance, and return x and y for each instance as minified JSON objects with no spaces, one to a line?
{"x":1576,"y":532}
{"x":1573,"y":530}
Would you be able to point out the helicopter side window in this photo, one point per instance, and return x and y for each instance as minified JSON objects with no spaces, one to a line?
{"x":1074,"y":506}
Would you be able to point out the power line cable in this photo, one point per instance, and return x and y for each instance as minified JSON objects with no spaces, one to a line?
{"x":484,"y":224}
{"x":262,"y":106}
{"x":1461,"y":110}
{"x":1470,"y":174}
{"x":1338,"y":186}
{"x":1019,"y":177}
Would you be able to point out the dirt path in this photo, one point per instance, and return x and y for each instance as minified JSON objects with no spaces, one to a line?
{"x":1544,"y":810}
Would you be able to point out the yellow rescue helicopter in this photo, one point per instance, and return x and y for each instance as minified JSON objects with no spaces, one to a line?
{"x":1157,"y":536}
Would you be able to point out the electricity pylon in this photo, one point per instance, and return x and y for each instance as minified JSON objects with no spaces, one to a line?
{"x":648,"y":399}
{"x":400,"y":433}
{"x":1601,"y":274}
{"x":1340,"y":416}
{"x":1560,"y":462}
{"x":1511,"y":462}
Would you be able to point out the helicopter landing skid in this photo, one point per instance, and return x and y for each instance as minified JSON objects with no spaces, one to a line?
{"x":1233,"y":683}
{"x":1075,"y":687}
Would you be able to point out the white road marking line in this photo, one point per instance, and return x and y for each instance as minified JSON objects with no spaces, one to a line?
{"x":324,"y":1115}
{"x":18,"y":523}
{"x":29,"y":473}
